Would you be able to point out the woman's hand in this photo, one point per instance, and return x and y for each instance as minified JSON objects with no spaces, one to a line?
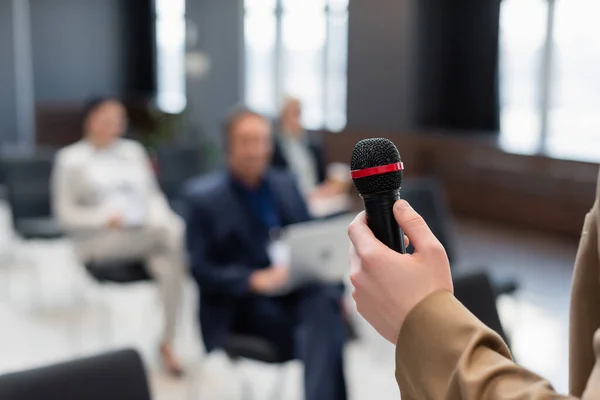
{"x":388,"y":285}
{"x":115,"y":221}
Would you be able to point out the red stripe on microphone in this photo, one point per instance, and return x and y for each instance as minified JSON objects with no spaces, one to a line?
{"x":382,"y":169}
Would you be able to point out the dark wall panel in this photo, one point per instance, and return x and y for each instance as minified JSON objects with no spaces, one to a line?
{"x":8,"y":118}
{"x":78,"y":48}
{"x":380,"y":46}
{"x":219,"y":26}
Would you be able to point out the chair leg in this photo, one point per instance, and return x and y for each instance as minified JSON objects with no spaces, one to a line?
{"x":108,"y":323}
{"x":25,"y":257}
{"x":30,"y":257}
{"x":7,"y":266}
{"x":82,"y":310}
{"x":37,"y":299}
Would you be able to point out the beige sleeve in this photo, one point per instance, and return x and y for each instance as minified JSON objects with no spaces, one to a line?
{"x":444,"y":352}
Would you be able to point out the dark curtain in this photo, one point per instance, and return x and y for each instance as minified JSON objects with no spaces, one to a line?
{"x":139,"y":49}
{"x":457,"y":65}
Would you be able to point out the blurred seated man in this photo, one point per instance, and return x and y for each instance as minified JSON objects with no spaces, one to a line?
{"x":231,"y":217}
{"x":296,"y":151}
{"x":107,"y":198}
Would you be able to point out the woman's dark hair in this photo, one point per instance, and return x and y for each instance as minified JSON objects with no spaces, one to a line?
{"x":90,"y":107}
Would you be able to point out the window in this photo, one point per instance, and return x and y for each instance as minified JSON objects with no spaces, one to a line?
{"x":574,"y":114}
{"x":170,"y":55}
{"x":550,"y":77}
{"x":298,"y":48}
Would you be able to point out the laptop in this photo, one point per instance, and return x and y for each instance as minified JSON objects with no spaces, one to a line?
{"x":319,"y":251}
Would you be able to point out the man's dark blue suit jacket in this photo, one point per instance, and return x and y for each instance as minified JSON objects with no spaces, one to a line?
{"x":227,"y":242}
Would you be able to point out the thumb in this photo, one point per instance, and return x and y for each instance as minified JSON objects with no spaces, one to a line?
{"x":413,"y":225}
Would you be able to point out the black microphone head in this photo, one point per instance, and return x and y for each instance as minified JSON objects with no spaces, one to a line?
{"x":376,"y":152}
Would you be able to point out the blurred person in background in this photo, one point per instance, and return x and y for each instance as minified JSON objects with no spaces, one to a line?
{"x":302,"y":154}
{"x":107,"y":198}
{"x":232,"y":219}
{"x":442,"y":350}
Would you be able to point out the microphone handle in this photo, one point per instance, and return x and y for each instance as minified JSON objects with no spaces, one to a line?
{"x":379,"y":208}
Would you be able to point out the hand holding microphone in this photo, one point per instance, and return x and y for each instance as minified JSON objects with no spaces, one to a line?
{"x":388,"y":283}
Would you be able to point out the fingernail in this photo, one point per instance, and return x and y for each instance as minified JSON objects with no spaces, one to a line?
{"x":400,"y":204}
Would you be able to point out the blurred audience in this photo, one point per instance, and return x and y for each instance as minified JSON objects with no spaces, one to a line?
{"x":106,"y":196}
{"x":302,"y":154}
{"x":232,"y":217}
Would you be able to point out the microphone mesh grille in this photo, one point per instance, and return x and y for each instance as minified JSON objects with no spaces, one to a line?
{"x":376,"y":152}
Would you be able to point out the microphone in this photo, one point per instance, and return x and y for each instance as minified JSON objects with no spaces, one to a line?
{"x":377,"y":174}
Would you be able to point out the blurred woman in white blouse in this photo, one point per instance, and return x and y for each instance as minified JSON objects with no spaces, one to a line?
{"x":107,"y":198}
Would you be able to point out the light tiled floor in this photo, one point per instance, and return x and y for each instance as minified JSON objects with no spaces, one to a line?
{"x":69,"y":327}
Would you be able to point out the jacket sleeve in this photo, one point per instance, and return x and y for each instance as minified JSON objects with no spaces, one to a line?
{"x":319,"y":155}
{"x":303,"y":212}
{"x":71,"y":214}
{"x":212,"y":277}
{"x":444,"y":352}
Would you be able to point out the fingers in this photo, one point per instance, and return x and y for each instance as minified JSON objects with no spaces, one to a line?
{"x":366,"y":244}
{"x":279,"y":278}
{"x":406,"y":241}
{"x":354,"y":260}
{"x":413,"y":225}
{"x":355,"y":267}
{"x":283,"y":274}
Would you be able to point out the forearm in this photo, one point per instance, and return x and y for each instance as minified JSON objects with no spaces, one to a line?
{"x":75,"y":218}
{"x":231,"y":279}
{"x":444,"y":352}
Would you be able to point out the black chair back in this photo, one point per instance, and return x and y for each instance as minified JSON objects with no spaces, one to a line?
{"x":27,"y":180}
{"x":475,"y":292}
{"x":427,"y":197}
{"x":117,"y":376}
{"x":177,"y":164}
{"x":253,"y":348}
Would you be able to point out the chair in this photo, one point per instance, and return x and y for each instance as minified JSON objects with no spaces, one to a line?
{"x":120,"y":272}
{"x":3,"y":190}
{"x":241,"y":346}
{"x":257,"y":349}
{"x":118,"y":375}
{"x":27,"y":181}
{"x":475,"y":292}
{"x":428,"y":199}
{"x":175,"y":165}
